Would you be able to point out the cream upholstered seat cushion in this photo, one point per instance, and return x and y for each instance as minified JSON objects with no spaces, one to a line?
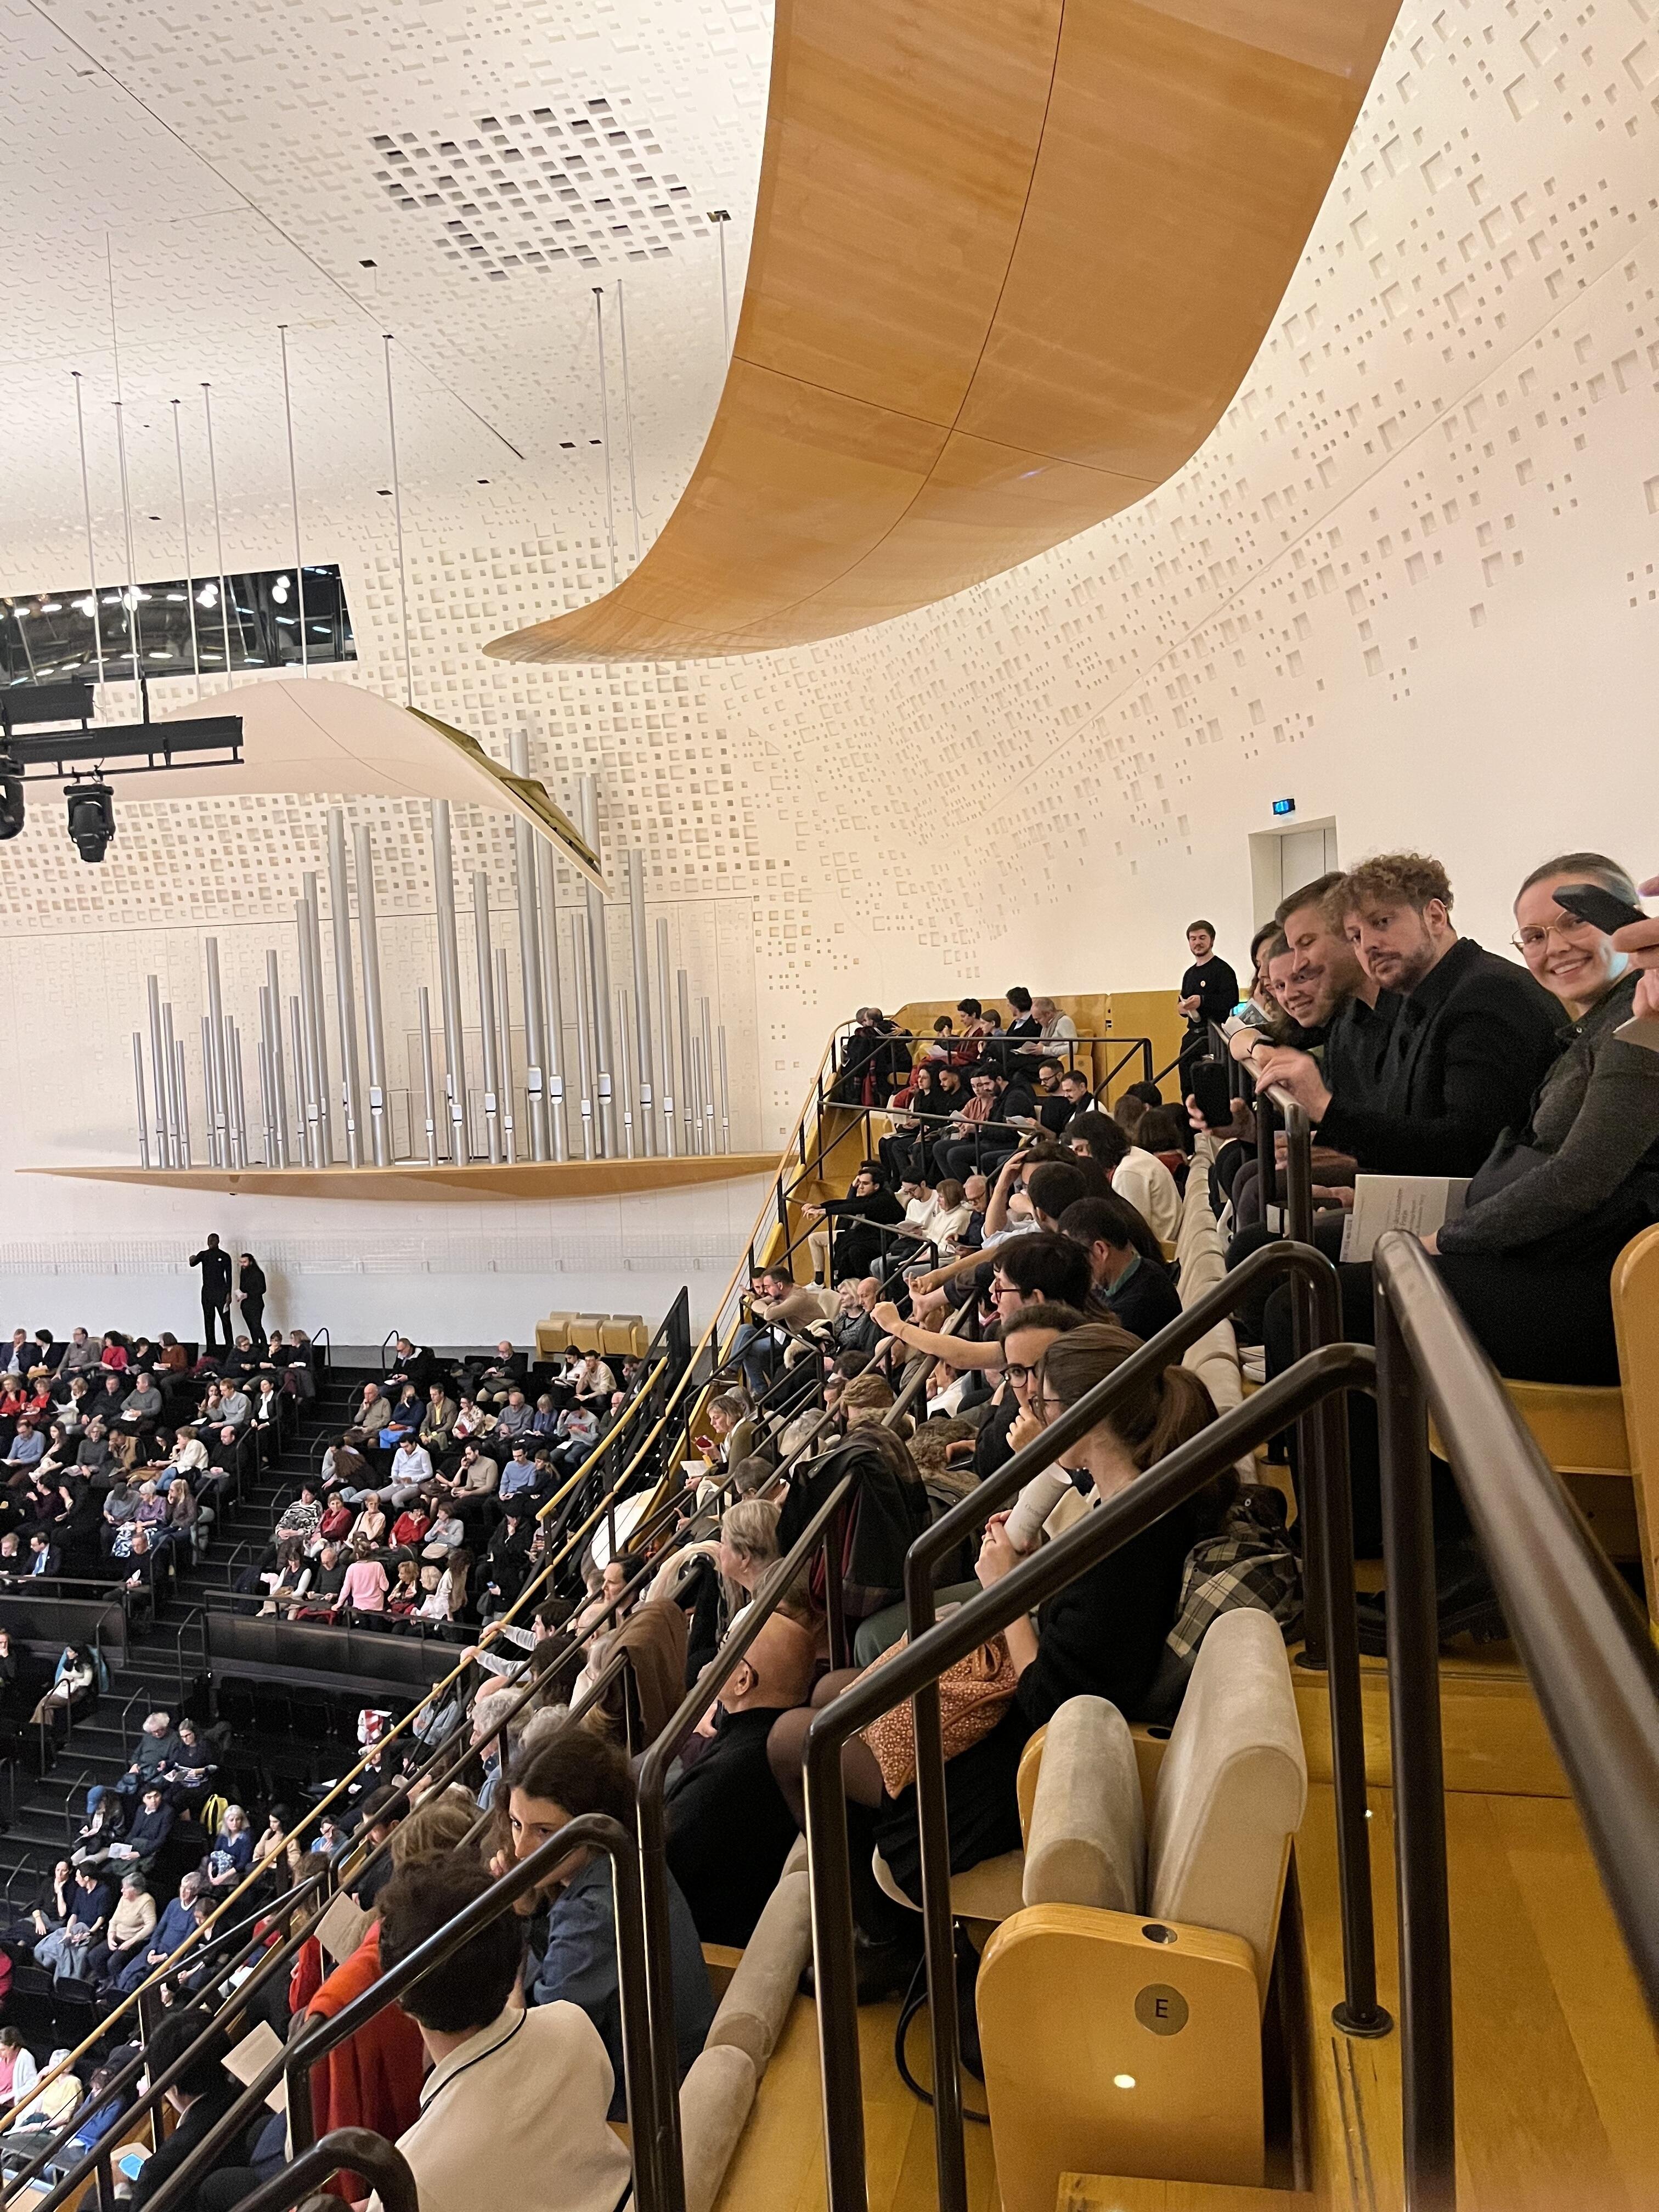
{"x":715,"y":2098}
{"x":1087,"y":1843}
{"x":1231,"y":1789}
{"x":752,"y":2013}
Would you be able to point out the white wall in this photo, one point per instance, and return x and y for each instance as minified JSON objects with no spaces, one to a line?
{"x":117,"y":1257}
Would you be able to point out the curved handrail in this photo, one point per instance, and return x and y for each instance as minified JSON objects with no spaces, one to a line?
{"x":1586,"y":1649}
{"x":355,"y":2150}
{"x":1309,"y":1270}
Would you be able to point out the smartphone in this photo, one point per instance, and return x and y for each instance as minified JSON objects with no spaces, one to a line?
{"x":1641,"y":1028}
{"x":1210,"y":1088}
{"x":1601,"y":908}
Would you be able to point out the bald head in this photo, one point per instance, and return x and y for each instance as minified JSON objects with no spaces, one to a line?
{"x":777,"y":1671}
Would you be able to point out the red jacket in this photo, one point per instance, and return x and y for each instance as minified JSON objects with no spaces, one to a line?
{"x":374,"y":2080}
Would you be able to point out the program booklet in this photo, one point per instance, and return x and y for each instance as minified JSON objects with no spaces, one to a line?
{"x":1417,"y":1204}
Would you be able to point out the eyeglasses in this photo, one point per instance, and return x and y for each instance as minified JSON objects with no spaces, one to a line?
{"x":1004,"y":1290}
{"x":1016,"y":1372}
{"x":1568,"y":928}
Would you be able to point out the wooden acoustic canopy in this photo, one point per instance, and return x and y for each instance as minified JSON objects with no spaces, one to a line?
{"x":1012,"y":261}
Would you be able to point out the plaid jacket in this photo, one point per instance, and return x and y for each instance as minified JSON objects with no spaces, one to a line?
{"x":1249,"y":1561}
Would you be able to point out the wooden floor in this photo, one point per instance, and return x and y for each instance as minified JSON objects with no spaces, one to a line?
{"x":1558,"y":2083}
{"x":778,"y":2166}
{"x":1557,"y":2076}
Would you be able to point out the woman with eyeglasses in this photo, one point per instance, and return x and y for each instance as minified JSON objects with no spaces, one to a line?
{"x":1103,"y":1636}
{"x":1529,"y":1259}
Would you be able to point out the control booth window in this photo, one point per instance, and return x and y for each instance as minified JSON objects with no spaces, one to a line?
{"x":242,"y":622}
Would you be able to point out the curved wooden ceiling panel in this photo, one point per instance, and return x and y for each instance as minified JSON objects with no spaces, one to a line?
{"x":1012,"y":261}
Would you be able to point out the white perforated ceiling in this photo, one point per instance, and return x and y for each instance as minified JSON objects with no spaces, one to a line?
{"x":223,"y":171}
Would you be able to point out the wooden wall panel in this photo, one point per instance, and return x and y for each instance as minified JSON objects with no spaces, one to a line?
{"x":1012,"y":261}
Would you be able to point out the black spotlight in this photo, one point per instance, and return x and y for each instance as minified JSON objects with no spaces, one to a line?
{"x":91,"y":818}
{"x":11,"y":799}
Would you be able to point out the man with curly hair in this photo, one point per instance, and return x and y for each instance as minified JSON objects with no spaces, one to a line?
{"x":1471,"y":1037}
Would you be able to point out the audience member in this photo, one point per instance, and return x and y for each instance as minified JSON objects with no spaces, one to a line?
{"x":513,"y":2109}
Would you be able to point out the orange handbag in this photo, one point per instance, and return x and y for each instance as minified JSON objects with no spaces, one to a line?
{"x":973,"y":1696}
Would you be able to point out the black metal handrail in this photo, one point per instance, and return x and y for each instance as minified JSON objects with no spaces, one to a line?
{"x":1585,"y":1646}
{"x":151,"y":2099}
{"x":1310,"y":1271}
{"x":355,"y":2150}
{"x":1171,"y":1483}
{"x":1587,"y":1651}
{"x":593,"y":1832}
{"x":823,"y":1528}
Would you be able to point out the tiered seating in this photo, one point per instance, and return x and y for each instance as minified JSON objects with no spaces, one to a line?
{"x":613,"y":1336}
{"x":1120,"y":2010}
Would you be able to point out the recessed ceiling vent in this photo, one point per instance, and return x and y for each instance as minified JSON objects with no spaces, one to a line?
{"x":519,"y":194}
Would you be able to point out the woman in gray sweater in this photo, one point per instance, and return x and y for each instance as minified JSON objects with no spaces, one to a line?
{"x":1529,"y":1261}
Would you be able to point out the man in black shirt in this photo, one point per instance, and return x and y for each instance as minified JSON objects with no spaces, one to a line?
{"x":1129,"y":1288}
{"x":857,"y":1245}
{"x":729,"y":1829}
{"x":215,"y":1292}
{"x":1470,"y":1040}
{"x":1209,"y":991}
{"x":201,"y":2097}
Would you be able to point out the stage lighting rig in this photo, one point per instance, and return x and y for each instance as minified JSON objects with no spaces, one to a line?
{"x":60,"y":753}
{"x":91,"y":818}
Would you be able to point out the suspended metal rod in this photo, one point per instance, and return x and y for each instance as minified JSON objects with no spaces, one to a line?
{"x":85,"y":509}
{"x":218,"y":529}
{"x":628,"y":424}
{"x":293,"y":497}
{"x":604,"y":435}
{"x":189,"y":577}
{"x":398,"y":517}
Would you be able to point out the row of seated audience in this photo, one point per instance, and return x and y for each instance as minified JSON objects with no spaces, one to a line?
{"x":515,"y":2045}
{"x":1415,"y":1050}
{"x":424,"y":1514}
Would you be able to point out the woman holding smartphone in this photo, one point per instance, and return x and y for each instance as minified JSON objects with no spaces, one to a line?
{"x":1530,"y":1258}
